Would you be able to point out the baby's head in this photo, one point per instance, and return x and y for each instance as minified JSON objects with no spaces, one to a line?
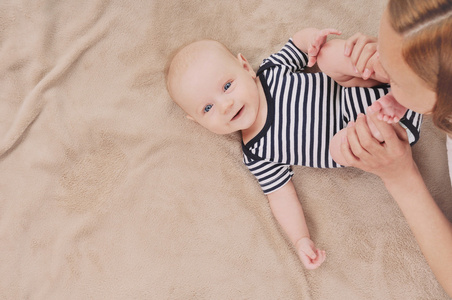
{"x":215,"y":88}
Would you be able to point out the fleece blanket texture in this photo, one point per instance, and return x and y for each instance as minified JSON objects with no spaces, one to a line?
{"x":107,"y":191}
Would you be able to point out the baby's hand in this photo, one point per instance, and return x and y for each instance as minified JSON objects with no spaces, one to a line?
{"x":388,"y":109}
{"x":316,"y":43}
{"x":310,"y":256}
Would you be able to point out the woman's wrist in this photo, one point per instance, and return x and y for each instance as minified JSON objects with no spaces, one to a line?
{"x":404,"y":175}
{"x":408,"y":180}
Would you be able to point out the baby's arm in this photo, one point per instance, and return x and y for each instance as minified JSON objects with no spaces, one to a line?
{"x":287,"y":210}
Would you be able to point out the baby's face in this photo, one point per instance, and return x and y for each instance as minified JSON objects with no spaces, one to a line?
{"x":218,"y":91}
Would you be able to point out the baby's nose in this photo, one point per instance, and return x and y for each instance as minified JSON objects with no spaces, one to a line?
{"x":226,"y":105}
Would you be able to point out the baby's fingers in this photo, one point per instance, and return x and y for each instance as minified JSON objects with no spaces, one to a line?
{"x":312,"y":54}
{"x":322,"y":35}
{"x":313,"y":51}
{"x":312,"y":60}
{"x":321,"y":255}
{"x":328,"y":31}
{"x":320,"y":258}
{"x":310,"y":252}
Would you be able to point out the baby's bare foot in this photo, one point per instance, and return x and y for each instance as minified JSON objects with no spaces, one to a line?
{"x":389,"y":110}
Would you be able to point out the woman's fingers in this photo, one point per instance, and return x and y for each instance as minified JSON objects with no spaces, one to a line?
{"x":365,"y":138}
{"x":346,"y":150}
{"x":361,"y":48}
{"x":392,"y":134}
{"x":361,"y":149}
{"x":362,"y":62}
{"x":357,"y":41}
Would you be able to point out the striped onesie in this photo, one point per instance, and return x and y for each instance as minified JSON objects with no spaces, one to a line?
{"x":305,"y":110}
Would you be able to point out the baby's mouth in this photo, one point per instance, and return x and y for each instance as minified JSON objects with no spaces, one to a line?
{"x":237,"y":115}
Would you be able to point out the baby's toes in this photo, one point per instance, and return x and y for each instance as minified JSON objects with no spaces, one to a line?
{"x":375,"y":107}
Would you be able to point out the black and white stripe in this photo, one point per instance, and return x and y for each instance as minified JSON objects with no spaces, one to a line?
{"x":305,"y":110}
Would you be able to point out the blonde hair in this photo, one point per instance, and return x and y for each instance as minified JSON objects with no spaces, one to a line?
{"x":184,"y":56}
{"x":426,"y":27}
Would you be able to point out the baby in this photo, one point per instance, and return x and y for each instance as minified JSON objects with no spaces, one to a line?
{"x":286,"y":117}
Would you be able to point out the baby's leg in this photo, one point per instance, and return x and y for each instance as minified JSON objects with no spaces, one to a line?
{"x":335,"y":147}
{"x":332,"y":61}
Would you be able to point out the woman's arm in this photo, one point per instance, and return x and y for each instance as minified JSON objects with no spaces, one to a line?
{"x":393,"y":163}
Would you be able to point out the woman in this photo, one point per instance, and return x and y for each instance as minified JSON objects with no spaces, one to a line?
{"x":415,"y":52}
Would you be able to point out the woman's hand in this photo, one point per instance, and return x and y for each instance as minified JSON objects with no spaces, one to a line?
{"x":389,"y":160}
{"x":362,"y":50}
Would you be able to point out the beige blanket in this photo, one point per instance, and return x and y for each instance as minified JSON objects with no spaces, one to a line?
{"x":108,"y":192}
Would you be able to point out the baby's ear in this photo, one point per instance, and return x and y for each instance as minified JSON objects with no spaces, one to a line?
{"x":246,"y":65}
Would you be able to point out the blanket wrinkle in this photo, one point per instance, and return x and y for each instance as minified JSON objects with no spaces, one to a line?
{"x":35,"y":100}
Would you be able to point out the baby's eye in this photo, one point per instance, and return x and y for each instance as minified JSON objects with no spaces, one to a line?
{"x":208,"y":107}
{"x":227,"y":86}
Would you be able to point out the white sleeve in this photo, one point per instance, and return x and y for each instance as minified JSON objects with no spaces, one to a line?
{"x":449,"y":155}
